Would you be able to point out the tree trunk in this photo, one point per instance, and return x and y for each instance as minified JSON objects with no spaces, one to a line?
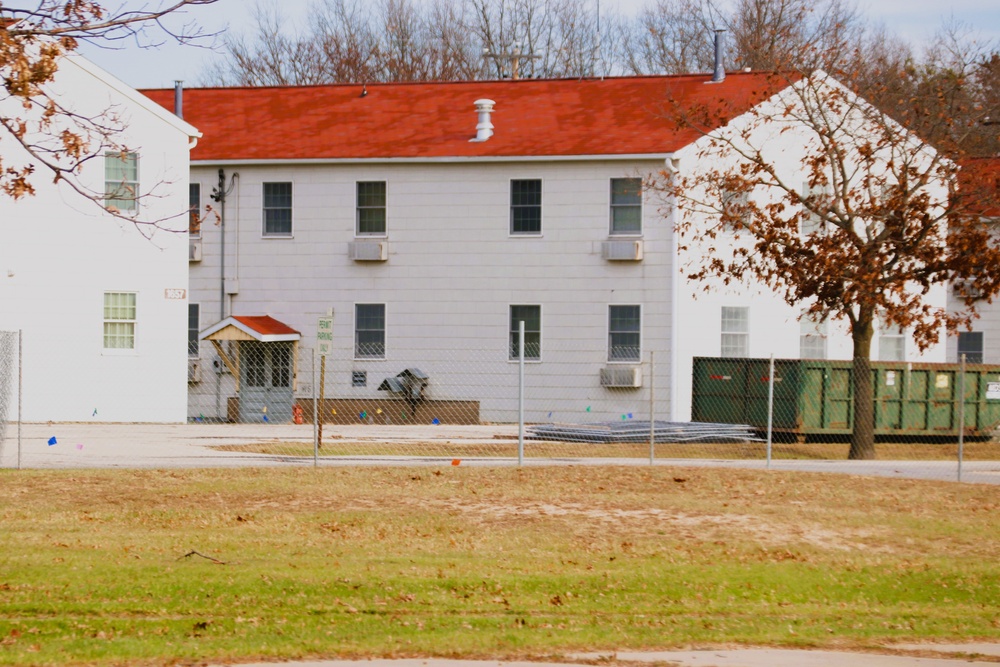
{"x":863,"y":435}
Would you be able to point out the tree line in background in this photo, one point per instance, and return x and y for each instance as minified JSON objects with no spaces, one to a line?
{"x":949,"y":92}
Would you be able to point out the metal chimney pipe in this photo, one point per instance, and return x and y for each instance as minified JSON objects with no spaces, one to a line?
{"x":719,"y":73}
{"x":484,"y":129}
{"x":179,"y":98}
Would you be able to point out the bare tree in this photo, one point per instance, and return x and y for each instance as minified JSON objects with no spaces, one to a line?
{"x":793,"y":34}
{"x":670,"y":37}
{"x":48,"y":132}
{"x":861,"y":228}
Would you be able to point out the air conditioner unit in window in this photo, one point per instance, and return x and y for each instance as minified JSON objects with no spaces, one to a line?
{"x":622,"y":251}
{"x":966,"y":290}
{"x":194,"y":250}
{"x":368,"y":251}
{"x":194,"y":371}
{"x":621,"y":377}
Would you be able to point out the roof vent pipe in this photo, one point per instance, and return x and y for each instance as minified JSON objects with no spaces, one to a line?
{"x":179,"y":99}
{"x":484,"y":128}
{"x":719,"y":73}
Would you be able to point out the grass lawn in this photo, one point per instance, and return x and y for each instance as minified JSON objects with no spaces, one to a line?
{"x":158,"y":567}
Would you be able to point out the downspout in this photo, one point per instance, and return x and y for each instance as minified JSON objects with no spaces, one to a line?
{"x":222,"y":253}
{"x":672,"y":165}
{"x":220,"y":194}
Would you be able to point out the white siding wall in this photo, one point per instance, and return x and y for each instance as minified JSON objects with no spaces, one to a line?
{"x":452,"y":273}
{"x":773,"y":325}
{"x":60,"y":253}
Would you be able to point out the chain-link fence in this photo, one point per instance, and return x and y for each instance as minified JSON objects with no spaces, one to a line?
{"x":9,"y":393}
{"x":252,"y":402}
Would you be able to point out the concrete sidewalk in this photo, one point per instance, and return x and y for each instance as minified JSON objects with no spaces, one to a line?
{"x":100,"y":445}
{"x":762,"y":657}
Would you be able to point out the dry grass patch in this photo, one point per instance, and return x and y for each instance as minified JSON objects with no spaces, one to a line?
{"x":97,"y":567}
{"x":449,"y":448}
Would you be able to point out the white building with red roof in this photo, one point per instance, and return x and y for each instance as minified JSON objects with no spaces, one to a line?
{"x":100,"y":301}
{"x":429,"y":218}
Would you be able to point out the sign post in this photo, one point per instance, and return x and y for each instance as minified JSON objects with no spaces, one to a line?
{"x":324,"y":345}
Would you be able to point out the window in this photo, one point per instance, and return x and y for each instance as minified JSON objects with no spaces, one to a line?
{"x":532,"y":318}
{"x":812,"y":223}
{"x":526,"y":207}
{"x":194,"y":210}
{"x":119,"y":320}
{"x":371,"y":208}
{"x":359,"y":378}
{"x":193,"y":317}
{"x":812,"y":337}
{"x":891,"y":343}
{"x":970,"y":343}
{"x":281,"y":365}
{"x":734,"y":205}
{"x":626,"y":205}
{"x":369,"y":331}
{"x":121,"y":181}
{"x":735,"y":331}
{"x":624,"y":333}
{"x":277,"y":209}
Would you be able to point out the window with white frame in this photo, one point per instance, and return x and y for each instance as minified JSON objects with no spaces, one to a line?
{"x":121,"y":181}
{"x":811,"y":222}
{"x":734,"y":206}
{"x":526,"y":206}
{"x":371,"y":208}
{"x":626,"y":206}
{"x":624,"y":333}
{"x":735,"y":331}
{"x":194,"y":210}
{"x":369,"y":331}
{"x":194,"y":317}
{"x":119,"y":320}
{"x":891,"y":342}
{"x":812,"y":337}
{"x":970,"y":343}
{"x":277,"y":209}
{"x":532,"y":318}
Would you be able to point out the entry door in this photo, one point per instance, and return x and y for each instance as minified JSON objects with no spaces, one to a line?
{"x":265,"y":382}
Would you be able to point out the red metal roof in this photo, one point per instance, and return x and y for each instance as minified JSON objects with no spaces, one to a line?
{"x":265,"y":325}
{"x":532,"y":118}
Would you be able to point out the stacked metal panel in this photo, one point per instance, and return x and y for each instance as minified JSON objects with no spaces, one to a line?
{"x":639,"y":431}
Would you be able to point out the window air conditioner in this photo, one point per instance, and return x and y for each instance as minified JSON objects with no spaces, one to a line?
{"x":368,"y":251}
{"x":621,"y":377}
{"x":622,"y":251}
{"x":966,"y":290}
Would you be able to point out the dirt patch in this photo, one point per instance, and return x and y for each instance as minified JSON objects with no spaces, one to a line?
{"x":650,"y":521}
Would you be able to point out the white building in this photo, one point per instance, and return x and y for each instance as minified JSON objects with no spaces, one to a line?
{"x":982,"y":344}
{"x":431,"y":217}
{"x":100,"y":301}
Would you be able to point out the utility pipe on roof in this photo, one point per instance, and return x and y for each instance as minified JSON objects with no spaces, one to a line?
{"x":179,"y":98}
{"x":719,"y":73}
{"x":484,"y":128}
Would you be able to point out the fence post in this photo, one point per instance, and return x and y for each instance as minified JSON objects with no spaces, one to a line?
{"x":520,"y":393}
{"x":315,"y":413}
{"x":652,"y":411}
{"x":770,"y":409}
{"x":961,"y":414}
{"x":20,"y":390}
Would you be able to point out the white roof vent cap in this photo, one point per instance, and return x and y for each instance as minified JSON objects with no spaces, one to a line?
{"x":484,"y":128}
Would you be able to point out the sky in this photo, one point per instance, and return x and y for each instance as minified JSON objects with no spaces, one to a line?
{"x":159,"y":66}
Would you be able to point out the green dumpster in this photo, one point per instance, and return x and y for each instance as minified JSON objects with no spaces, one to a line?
{"x":815,"y":396}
